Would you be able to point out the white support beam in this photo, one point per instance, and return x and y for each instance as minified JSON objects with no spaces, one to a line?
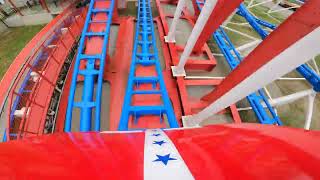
{"x":248,"y":45}
{"x":258,"y":4}
{"x":309,"y":112}
{"x":278,"y":66}
{"x":283,"y":100}
{"x":315,"y":65}
{"x":240,"y":33}
{"x":171,"y":38}
{"x":226,"y":22}
{"x":196,"y":31}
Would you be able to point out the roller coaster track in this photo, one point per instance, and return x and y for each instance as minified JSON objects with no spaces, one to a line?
{"x":92,"y":52}
{"x":312,"y":77}
{"x":265,"y":115}
{"x":145,"y":56}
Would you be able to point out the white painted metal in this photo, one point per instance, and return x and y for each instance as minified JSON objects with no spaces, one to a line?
{"x":172,"y":31}
{"x":64,"y":30}
{"x":20,"y":113}
{"x":248,"y":45}
{"x":213,"y":77}
{"x":196,"y":31}
{"x":274,"y":6}
{"x":156,"y":170}
{"x":241,"y":33}
{"x":240,"y":24}
{"x":35,"y":76}
{"x":273,"y":18}
{"x":218,"y":54}
{"x":309,"y":112}
{"x":315,"y":65}
{"x":258,"y":4}
{"x":290,"y":98}
{"x":283,"y":100}
{"x":277,"y":67}
{"x":225,"y":23}
{"x":267,"y":92}
{"x":203,"y":77}
{"x":52,"y":46}
{"x":291,"y":79}
{"x":250,"y":3}
{"x":284,"y":9}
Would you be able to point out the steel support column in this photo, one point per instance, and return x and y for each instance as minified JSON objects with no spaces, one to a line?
{"x":220,"y":13}
{"x":15,"y":7}
{"x":274,"y":59}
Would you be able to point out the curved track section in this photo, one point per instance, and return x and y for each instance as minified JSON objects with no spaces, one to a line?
{"x":36,"y":70}
{"x":89,"y":65}
{"x":146,"y":80}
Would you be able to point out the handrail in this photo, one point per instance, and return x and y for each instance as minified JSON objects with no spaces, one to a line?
{"x":19,"y":62}
{"x":31,"y":64}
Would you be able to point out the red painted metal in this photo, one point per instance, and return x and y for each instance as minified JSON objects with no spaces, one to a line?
{"x":192,"y":105}
{"x":305,"y":20}
{"x":220,"y":13}
{"x":170,"y":82}
{"x":118,"y":69}
{"x":100,"y":161}
{"x":63,"y":104}
{"x":248,"y":151}
{"x":15,"y":7}
{"x":234,"y":151}
{"x":189,"y":105}
{"x":44,"y":5}
{"x":207,"y":64}
{"x":36,"y":101}
{"x":117,"y":73}
{"x":19,"y":61}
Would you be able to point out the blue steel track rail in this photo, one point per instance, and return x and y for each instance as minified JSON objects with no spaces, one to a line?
{"x":312,"y":77}
{"x":145,"y":40}
{"x":265,"y":115}
{"x":88,"y":103}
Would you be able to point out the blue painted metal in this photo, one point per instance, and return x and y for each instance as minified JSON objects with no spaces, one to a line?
{"x":255,"y":99}
{"x":4,"y":138}
{"x":312,"y":77}
{"x":145,"y":40}
{"x":265,"y":115}
{"x":42,"y":56}
{"x":242,"y":10}
{"x":87,"y":104}
{"x":252,"y":20}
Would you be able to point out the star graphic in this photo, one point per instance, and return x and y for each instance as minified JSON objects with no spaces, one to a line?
{"x":159,"y":142}
{"x":155,"y":134}
{"x":164,"y":159}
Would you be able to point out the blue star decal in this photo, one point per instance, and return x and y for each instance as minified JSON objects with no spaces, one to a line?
{"x":155,"y":134}
{"x":164,"y":159}
{"x":159,"y":142}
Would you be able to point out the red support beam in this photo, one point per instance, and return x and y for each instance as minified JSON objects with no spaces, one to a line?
{"x":15,"y":7}
{"x":220,"y":13}
{"x":196,"y":9}
{"x":44,"y":5}
{"x":298,"y":25}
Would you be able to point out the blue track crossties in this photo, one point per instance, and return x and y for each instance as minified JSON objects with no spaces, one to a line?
{"x":145,"y":55}
{"x":94,"y":29}
{"x":265,"y":114}
{"x":312,"y":77}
